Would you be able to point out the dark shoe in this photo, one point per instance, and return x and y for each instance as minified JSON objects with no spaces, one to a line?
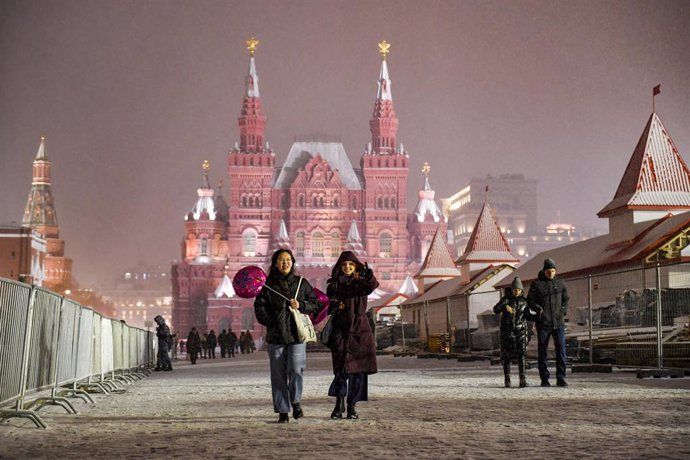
{"x":507,"y":381}
{"x":283,"y":418}
{"x":562,"y":383}
{"x":351,"y":412}
{"x":297,"y":411}
{"x":545,"y":383}
{"x":523,"y":381}
{"x":339,"y":408}
{"x":168,"y":369}
{"x":158,"y":369}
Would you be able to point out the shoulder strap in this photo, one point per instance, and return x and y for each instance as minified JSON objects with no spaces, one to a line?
{"x":298,"y":286}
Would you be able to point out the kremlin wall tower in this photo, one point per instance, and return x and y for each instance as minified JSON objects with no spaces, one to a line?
{"x":317,"y":203}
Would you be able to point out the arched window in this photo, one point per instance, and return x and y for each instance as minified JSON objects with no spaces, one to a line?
{"x":248,"y":319}
{"x":385,"y":244}
{"x":314,"y":201}
{"x":299,"y":244}
{"x":379,"y":203}
{"x":300,"y":201}
{"x":393,"y":202}
{"x":317,"y":245}
{"x":251,"y":201}
{"x":249,"y":243}
{"x":244,"y":201}
{"x":353,"y":202}
{"x":336,"y":202}
{"x":335,"y":244}
{"x":321,"y":202}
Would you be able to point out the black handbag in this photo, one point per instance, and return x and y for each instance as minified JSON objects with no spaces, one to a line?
{"x":326,"y":331}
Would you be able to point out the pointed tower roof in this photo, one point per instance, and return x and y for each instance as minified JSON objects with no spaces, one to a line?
{"x":354,"y":242}
{"x":220,"y":206}
{"x":252,"y":121}
{"x":282,"y":239}
{"x":438,"y":262}
{"x":39,"y":212}
{"x":204,"y":208}
{"x":408,"y":288}
{"x":252,"y":79}
{"x":427,"y":205}
{"x":225,"y":288}
{"x":384,"y":124}
{"x":656,"y":176}
{"x":487,"y":243}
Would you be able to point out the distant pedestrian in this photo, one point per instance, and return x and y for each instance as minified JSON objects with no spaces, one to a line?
{"x":193,"y":345}
{"x":515,"y":311}
{"x":287,"y":356}
{"x":249,"y":346}
{"x":223,"y":343}
{"x":164,"y":345}
{"x":232,"y":343}
{"x":549,"y":291}
{"x":204,"y":346}
{"x":211,"y":343}
{"x":241,"y":342}
{"x":353,"y":351}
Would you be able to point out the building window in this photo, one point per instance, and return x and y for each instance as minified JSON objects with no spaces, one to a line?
{"x":385,"y":244}
{"x":244,"y":201}
{"x":379,"y":203}
{"x":335,"y":244}
{"x":317,"y":245}
{"x":249,"y":243}
{"x":393,"y":202}
{"x":299,"y":244}
{"x":300,"y":201}
{"x":335,"y":201}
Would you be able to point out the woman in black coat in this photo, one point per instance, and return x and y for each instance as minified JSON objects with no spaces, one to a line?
{"x":287,"y":355}
{"x":352,"y":340}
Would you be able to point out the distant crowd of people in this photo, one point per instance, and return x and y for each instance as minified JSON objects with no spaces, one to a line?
{"x":204,"y":346}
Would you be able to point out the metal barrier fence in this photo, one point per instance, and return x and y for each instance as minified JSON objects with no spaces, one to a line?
{"x":48,"y":342}
{"x":636,"y":317}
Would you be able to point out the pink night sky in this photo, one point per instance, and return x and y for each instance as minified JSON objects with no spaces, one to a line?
{"x":133,"y":96}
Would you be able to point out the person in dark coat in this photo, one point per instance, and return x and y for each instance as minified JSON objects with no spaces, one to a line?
{"x":515,"y":312}
{"x":249,"y":345}
{"x":352,"y":345}
{"x":193,"y":345}
{"x":223,"y":343}
{"x":164,"y":345}
{"x":241,"y":342}
{"x":211,"y":342}
{"x":549,"y":291}
{"x":232,"y":343}
{"x":287,"y":356}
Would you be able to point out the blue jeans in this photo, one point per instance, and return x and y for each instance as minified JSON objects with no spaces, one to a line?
{"x":287,"y":372}
{"x":558,"y":334}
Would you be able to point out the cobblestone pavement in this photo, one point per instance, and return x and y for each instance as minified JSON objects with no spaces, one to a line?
{"x":417,"y":408}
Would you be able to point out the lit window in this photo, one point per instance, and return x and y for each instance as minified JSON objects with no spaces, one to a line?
{"x":386,"y":244}
{"x":249,"y":243}
{"x":299,"y":244}
{"x":317,"y":245}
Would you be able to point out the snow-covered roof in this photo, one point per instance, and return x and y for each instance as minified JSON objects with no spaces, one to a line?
{"x":332,"y":152}
{"x":205,"y":203}
{"x":409,"y":287}
{"x":353,"y":242}
{"x":252,"y":80}
{"x":225,"y":288}
{"x":384,"y":85}
{"x":438,"y":261}
{"x":597,"y":254}
{"x":41,"y":154}
{"x":487,"y":243}
{"x":656,"y":175}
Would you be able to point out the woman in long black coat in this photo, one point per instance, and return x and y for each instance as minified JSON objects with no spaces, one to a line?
{"x":351,"y":341}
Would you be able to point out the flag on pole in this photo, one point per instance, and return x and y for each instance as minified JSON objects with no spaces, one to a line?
{"x":657,"y":90}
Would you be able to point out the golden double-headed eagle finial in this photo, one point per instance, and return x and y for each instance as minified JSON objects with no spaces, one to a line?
{"x":205,"y":166}
{"x":384,"y":48}
{"x":426,"y":168}
{"x":252,"y":44}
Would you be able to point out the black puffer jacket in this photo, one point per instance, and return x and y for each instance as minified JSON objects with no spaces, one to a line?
{"x":271,"y":309}
{"x":552,"y":296}
{"x":514,"y":325}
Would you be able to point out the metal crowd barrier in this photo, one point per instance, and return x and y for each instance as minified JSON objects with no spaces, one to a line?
{"x":51,"y":343}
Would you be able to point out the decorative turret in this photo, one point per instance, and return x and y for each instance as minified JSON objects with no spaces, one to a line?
{"x":656,"y":182}
{"x":205,"y":231}
{"x":486,"y":246}
{"x":427,"y":207}
{"x":39,"y":213}
{"x":426,"y":219}
{"x":252,"y":121}
{"x":384,"y":124}
{"x":438,"y":264}
{"x":354,"y":242}
{"x":281,"y":240}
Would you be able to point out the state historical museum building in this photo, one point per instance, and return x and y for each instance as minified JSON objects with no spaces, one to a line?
{"x":316,"y":203}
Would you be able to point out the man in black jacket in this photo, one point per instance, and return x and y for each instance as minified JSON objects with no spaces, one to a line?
{"x":550,"y":293}
{"x":164,"y":342}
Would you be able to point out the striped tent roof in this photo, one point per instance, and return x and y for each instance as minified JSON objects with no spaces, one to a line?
{"x":656,"y":176}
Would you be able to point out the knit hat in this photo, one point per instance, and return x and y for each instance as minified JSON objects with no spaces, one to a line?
{"x":549,"y":263}
{"x":516,"y":284}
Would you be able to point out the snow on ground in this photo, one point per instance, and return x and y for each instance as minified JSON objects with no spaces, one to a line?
{"x":418,"y":408}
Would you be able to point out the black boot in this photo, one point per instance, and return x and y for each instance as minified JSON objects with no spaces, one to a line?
{"x":297,"y":411}
{"x":283,"y":418}
{"x":506,"y":372}
{"x":521,"y":370}
{"x":351,"y":412}
{"x":339,"y":408}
